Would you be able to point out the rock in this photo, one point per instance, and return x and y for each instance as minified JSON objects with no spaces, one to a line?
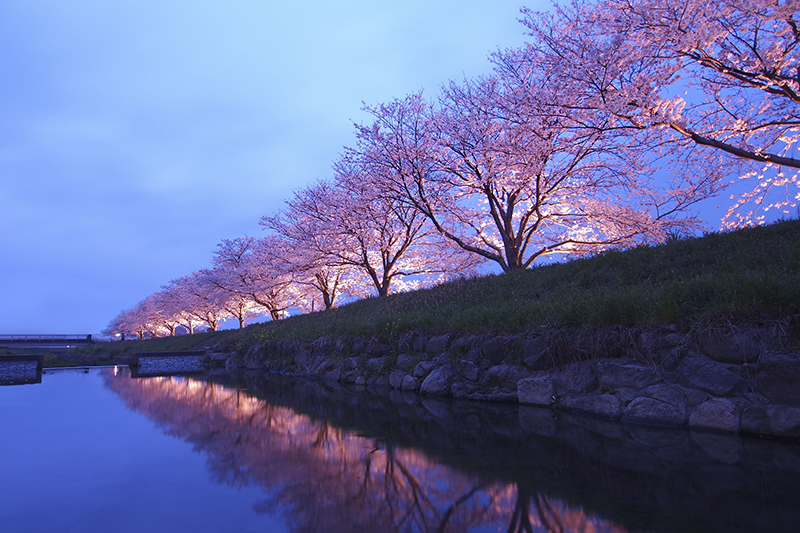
{"x":322,"y":346}
{"x":358,"y":347}
{"x":325,"y":366}
{"x":218,"y":357}
{"x":704,"y":374}
{"x":694,"y":397}
{"x":378,"y":381}
{"x":496,"y":349}
{"x":377,"y":349}
{"x":607,"y":405}
{"x":361,"y":380}
{"x":462,"y":345}
{"x":423,"y":368}
{"x":576,"y":378}
{"x":660,"y":404}
{"x":462,"y":389}
{"x":438,"y":382}
{"x":409,"y":384}
{"x":538,"y":390}
{"x":779,"y":378}
{"x":617,"y":374}
{"x":303,"y":358}
{"x":466,"y":369}
{"x":436,"y":346}
{"x":349,"y":376}
{"x":504,"y":376}
{"x":254,"y":365}
{"x":332,"y":375}
{"x":665,"y":393}
{"x":730,"y":347}
{"x":442,"y":360}
{"x":418,"y":343}
{"x":376,"y":363}
{"x":718,"y":413}
{"x":406,"y":362}
{"x":396,"y":379}
{"x":497,"y":397}
{"x":535,"y":353}
{"x":775,"y":420}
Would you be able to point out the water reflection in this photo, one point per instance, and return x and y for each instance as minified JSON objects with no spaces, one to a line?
{"x":411,"y":464}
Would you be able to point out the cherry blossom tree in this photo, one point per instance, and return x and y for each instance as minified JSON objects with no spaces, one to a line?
{"x":199,"y":298}
{"x":352,"y":224}
{"x":502,"y":177}
{"x":718,"y":81}
{"x":237,"y":305}
{"x":251,"y":268}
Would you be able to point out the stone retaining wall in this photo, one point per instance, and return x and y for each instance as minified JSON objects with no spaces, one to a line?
{"x":21,"y":369}
{"x":167,"y":362}
{"x":733,"y":380}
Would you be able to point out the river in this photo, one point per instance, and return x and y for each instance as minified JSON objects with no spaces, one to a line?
{"x":100,"y":450}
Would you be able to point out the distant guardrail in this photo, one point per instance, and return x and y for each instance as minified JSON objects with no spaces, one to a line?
{"x":44,"y":341}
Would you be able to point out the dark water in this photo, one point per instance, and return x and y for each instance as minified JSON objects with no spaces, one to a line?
{"x":99,"y":451}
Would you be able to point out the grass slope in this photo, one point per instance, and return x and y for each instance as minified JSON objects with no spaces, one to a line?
{"x":750,"y":275}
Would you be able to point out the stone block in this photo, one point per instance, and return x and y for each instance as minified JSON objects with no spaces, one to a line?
{"x":504,"y":376}
{"x":423,"y":368}
{"x":409,"y":384}
{"x":606,"y":405}
{"x":462,"y":389}
{"x":438,"y":382}
{"x":613,"y":374}
{"x":702,"y":373}
{"x":718,"y":413}
{"x":576,"y":378}
{"x":396,"y":379}
{"x":779,"y":378}
{"x":660,"y":404}
{"x":535,"y":353}
{"x":773,"y":420}
{"x":497,"y":348}
{"x":730,"y":347}
{"x":538,"y":390}
{"x":466,"y":369}
{"x":377,"y":349}
{"x":436,"y":346}
{"x":406,"y":362}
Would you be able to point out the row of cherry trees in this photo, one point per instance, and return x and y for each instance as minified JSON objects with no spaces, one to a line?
{"x":604,"y":130}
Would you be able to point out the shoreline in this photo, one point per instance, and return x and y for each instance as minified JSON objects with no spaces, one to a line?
{"x":740,"y":381}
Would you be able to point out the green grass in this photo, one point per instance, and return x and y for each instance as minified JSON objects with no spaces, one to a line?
{"x":750,"y":275}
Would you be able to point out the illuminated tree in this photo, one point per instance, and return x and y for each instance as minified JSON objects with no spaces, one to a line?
{"x":501,"y":176}
{"x":198,"y":297}
{"x":351,"y":223}
{"x":252,"y":268}
{"x":717,"y":81}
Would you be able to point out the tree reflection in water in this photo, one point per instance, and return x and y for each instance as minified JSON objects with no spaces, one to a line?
{"x":324,"y":478}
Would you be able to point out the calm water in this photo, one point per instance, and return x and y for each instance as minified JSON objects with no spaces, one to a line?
{"x":98,"y":450}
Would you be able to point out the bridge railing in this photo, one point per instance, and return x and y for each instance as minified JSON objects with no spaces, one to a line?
{"x":7,"y":340}
{"x":46,"y":337}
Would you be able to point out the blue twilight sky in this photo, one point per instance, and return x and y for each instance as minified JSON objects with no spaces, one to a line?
{"x":135,"y":135}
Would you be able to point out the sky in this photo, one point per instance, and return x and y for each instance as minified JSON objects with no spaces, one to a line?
{"x":136,"y":135}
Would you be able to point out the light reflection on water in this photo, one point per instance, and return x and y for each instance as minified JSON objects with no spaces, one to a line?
{"x":101,"y":451}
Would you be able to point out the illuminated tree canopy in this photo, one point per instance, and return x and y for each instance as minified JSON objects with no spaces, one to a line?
{"x":604,"y":130}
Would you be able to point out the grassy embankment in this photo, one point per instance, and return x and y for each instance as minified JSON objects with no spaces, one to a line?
{"x":748,"y":276}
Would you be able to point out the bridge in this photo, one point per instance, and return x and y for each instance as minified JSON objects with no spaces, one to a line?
{"x":44,"y":341}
